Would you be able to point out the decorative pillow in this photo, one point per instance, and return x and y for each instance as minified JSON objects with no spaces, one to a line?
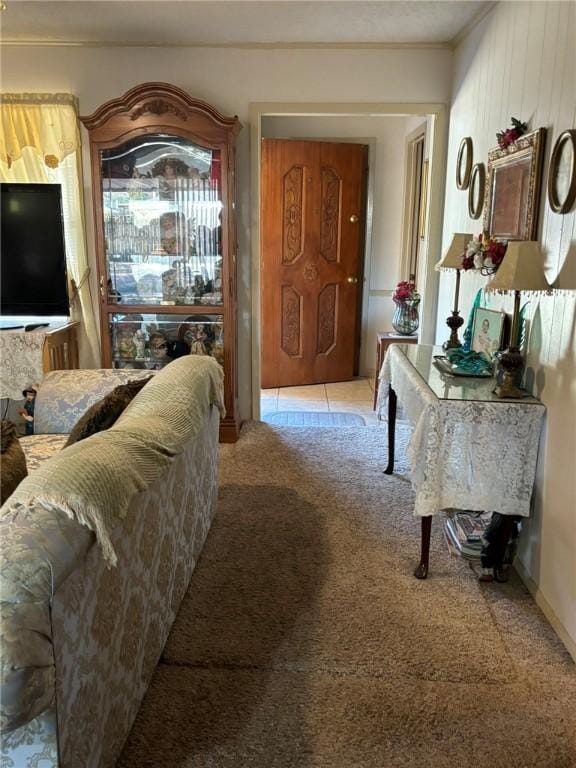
{"x":104,"y":413}
{"x":13,"y":461}
{"x":64,"y":396}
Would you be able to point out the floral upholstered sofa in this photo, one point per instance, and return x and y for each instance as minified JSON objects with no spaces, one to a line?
{"x":86,"y":608}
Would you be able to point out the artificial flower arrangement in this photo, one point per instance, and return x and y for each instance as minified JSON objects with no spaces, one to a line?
{"x":510,"y":135}
{"x":484,"y":253}
{"x":405,"y":291}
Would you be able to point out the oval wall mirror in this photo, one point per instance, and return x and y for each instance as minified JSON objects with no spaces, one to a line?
{"x":562,"y":173}
{"x":476,"y":191}
{"x":464,"y":163}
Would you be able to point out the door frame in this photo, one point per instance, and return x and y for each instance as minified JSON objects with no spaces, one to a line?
{"x":437,"y":113}
{"x":412,"y":200}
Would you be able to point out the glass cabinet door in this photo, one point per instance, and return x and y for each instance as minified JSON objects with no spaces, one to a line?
{"x":154,"y":340}
{"x":162,"y":204}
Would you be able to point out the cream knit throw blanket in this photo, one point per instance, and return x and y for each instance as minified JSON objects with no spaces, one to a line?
{"x":95,"y":480}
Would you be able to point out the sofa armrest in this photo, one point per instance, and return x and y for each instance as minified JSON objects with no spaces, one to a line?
{"x":64,"y":396}
{"x":39,"y":548}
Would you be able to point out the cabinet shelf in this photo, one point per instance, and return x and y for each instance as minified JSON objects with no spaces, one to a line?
{"x":163,"y":180}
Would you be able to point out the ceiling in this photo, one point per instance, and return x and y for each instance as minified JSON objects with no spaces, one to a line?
{"x":238,"y":22}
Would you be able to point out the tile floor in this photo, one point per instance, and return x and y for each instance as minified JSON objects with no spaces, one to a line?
{"x":356,"y":396}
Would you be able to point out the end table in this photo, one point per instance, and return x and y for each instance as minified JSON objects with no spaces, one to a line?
{"x":383,"y":341}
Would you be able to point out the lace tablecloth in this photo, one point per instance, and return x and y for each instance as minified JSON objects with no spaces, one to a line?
{"x":464,"y":452}
{"x":20,"y":361}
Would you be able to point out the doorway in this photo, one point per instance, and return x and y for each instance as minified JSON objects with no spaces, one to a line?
{"x":263,"y":112}
{"x":313,"y":204}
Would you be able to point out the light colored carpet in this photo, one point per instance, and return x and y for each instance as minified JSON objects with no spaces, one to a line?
{"x":304,"y":641}
{"x":315,"y":419}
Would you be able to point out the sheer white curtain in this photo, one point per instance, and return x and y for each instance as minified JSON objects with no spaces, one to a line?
{"x":40,"y":142}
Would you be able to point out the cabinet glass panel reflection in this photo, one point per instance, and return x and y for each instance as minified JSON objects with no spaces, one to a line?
{"x":153,"y":341}
{"x":162,"y":200}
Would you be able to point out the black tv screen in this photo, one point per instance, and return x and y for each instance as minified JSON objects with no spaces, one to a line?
{"x":32,"y":252}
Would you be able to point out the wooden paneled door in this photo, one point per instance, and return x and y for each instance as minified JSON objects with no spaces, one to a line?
{"x":312,"y":238}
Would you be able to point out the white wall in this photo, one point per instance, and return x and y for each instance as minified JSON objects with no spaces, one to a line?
{"x":231,"y":79}
{"x":520,"y":61}
{"x":381,"y":271}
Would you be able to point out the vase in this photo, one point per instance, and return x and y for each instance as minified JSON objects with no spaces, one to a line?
{"x":406,"y":319}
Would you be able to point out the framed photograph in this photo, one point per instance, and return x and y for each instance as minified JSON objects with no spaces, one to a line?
{"x":487,"y":331}
{"x":513,"y":188}
{"x":562,"y":173}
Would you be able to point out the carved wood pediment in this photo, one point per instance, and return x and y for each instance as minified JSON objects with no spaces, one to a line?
{"x":158,"y":107}
{"x":158,"y":99}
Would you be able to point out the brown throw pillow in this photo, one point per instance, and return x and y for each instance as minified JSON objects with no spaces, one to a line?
{"x":104,"y":413}
{"x":12,"y":458}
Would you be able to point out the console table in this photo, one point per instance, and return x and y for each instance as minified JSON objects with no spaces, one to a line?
{"x":469,"y":450}
{"x":27,"y":355}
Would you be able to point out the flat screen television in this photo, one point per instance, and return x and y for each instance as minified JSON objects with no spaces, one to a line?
{"x":32,"y":252}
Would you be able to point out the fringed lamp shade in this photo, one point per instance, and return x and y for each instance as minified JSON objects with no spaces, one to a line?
{"x":521,"y":270}
{"x":452,"y":259}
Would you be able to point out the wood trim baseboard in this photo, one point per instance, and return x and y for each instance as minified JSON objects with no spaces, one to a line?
{"x":545,"y":607}
{"x":229,"y":431}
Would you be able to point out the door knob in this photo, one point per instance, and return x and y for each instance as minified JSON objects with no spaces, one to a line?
{"x":353,"y":218}
{"x":351,"y":279}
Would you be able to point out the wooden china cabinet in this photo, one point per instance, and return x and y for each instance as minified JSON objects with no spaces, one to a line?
{"x":163,"y":187}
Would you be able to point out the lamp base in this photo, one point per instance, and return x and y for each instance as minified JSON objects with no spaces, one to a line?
{"x":510,"y":364}
{"x":454,"y":322}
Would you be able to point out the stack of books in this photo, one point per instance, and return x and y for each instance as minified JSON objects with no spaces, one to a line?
{"x":464,"y":532}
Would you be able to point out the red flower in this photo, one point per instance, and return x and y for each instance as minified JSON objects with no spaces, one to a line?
{"x":405,"y":290}
{"x":496,"y":252}
{"x":510,"y":135}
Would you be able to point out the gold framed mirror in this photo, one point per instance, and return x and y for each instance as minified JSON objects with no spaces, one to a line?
{"x":562,"y":173}
{"x":513,"y":188}
{"x":476,"y":191}
{"x":464,"y":163}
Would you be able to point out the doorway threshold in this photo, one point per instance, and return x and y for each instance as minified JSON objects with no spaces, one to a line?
{"x":343,"y":398}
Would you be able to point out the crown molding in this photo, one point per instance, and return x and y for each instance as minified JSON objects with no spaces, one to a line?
{"x":233,"y":46}
{"x":472,"y":24}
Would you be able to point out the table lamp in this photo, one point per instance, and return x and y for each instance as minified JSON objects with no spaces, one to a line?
{"x":452,"y":259}
{"x":520,"y":270}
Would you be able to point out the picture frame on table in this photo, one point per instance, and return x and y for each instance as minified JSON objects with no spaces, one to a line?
{"x":488,"y":331}
{"x":513,"y":185}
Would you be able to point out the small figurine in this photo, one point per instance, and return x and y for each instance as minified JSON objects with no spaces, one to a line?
{"x":126,"y":347}
{"x":27,"y":412}
{"x":199,"y":287}
{"x":158,"y":343}
{"x":170,"y":285}
{"x":140,"y":344}
{"x":197,"y":339}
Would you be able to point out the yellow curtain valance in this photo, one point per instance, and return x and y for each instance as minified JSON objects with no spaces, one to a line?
{"x":46,"y":122}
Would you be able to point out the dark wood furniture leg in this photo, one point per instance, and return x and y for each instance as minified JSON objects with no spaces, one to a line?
{"x":421,"y":571}
{"x":378,"y":366}
{"x":391,"y":430}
